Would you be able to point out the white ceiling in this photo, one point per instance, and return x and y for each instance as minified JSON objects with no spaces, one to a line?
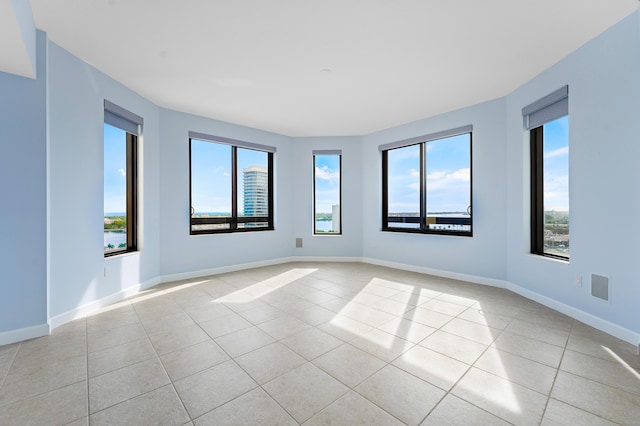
{"x":323,"y":67}
{"x":15,"y":22}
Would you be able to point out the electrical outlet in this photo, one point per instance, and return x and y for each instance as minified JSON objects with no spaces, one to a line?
{"x":579,"y":281}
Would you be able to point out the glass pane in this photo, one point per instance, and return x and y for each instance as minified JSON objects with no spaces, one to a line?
{"x":115,"y":189}
{"x":253,"y":186}
{"x":327,"y":194}
{"x":403,"y":188}
{"x":210,"y":183}
{"x":556,"y":187}
{"x":449,"y":184}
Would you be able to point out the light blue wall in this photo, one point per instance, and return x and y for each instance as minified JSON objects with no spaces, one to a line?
{"x":604,"y":106}
{"x":23,"y":138}
{"x":181,"y":253}
{"x":604,"y":145}
{"x":76,"y":115}
{"x":482,"y":255}
{"x":349,"y":244}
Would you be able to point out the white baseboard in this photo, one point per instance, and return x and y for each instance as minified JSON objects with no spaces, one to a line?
{"x":20,"y":334}
{"x":91,"y":307}
{"x":243,"y":266}
{"x":438,"y":272}
{"x":585,"y":317}
{"x":223,"y":269}
{"x":326,"y":259}
{"x":580,"y":315}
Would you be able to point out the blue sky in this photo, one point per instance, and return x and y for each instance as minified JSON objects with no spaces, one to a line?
{"x":327,"y":182}
{"x":211,"y":175}
{"x":448,"y":176}
{"x":115,"y":163}
{"x":556,"y":165}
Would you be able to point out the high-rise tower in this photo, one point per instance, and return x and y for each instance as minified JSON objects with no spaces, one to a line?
{"x":256,"y":191}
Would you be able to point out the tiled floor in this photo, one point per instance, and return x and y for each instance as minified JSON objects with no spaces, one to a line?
{"x":322,"y":343}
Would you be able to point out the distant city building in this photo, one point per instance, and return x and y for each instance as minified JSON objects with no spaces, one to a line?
{"x":256,"y":191}
{"x":335,"y":218}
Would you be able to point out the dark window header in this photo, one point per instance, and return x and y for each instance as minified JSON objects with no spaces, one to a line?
{"x":122,"y":118}
{"x":426,"y":138}
{"x":232,"y":142}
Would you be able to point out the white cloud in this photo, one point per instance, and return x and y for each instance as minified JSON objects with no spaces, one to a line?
{"x":443,"y":179}
{"x":557,"y":152}
{"x":122,"y":172}
{"x":415,"y":177}
{"x":221,"y":170}
{"x":556,"y":192}
{"x":325,"y":173}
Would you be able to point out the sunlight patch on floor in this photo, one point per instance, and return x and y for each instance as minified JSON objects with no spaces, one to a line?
{"x":621,"y":362}
{"x":147,"y":295}
{"x":264,"y":287}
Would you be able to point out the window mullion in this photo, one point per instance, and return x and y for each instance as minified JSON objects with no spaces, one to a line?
{"x":270,"y":189}
{"x":537,"y":191}
{"x":385,"y":190}
{"x":234,"y":188}
{"x":423,"y":187}
{"x":131,"y":177}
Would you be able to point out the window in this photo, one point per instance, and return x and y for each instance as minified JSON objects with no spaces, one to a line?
{"x":426,"y":184}
{"x":548,"y":124}
{"x":121,"y":129}
{"x":327,"y":192}
{"x":231,"y":185}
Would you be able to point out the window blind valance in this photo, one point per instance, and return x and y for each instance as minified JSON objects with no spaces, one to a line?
{"x":549,"y":108}
{"x":426,"y":138}
{"x":234,"y":142}
{"x":122,"y":118}
{"x":327,"y":152}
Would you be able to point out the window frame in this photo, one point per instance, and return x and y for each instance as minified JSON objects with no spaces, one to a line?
{"x":536,"y":140}
{"x":423,"y":228}
{"x":131,"y":124}
{"x":234,"y":220}
{"x":536,"y":115}
{"x":337,"y":153}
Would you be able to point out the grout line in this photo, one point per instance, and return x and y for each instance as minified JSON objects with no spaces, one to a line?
{"x":86,"y":340}
{"x":163,"y":368}
{"x":13,"y":360}
{"x":472,"y":365}
{"x":350,"y":280}
{"x":553,"y":384}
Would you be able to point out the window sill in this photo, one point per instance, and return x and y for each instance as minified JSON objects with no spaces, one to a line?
{"x":422,"y":232}
{"x":120,"y":255}
{"x":559,"y":260}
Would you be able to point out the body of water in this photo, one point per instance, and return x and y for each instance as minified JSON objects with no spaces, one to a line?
{"x":324,"y":225}
{"x":115,"y":237}
{"x":119,"y":237}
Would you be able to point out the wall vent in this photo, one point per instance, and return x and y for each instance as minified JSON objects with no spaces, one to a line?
{"x":600,"y":287}
{"x":298,"y":242}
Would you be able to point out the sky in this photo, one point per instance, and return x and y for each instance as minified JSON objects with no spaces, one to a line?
{"x":211,"y":175}
{"x":115,"y":164}
{"x":327,"y":182}
{"x":556,"y":164}
{"x":448,"y":176}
